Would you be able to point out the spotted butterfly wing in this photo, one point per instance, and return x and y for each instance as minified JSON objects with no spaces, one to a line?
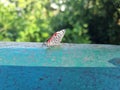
{"x":56,"y":38}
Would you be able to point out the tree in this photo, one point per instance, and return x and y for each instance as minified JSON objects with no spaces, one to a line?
{"x":85,"y":21}
{"x":23,"y":20}
{"x":89,"y":20}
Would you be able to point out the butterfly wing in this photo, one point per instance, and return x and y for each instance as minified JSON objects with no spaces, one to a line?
{"x":56,"y":38}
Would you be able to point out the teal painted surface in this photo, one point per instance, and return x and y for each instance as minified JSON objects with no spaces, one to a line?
{"x":63,"y":56}
{"x":59,"y":78}
{"x":31,"y":66}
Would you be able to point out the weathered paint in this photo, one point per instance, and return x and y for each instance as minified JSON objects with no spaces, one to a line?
{"x":29,"y":66}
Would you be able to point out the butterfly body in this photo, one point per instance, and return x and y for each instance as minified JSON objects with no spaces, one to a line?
{"x":55,"y":39}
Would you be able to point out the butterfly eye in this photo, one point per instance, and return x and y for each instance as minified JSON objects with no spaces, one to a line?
{"x":55,"y":34}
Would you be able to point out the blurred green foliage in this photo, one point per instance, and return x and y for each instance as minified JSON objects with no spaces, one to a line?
{"x":85,"y":21}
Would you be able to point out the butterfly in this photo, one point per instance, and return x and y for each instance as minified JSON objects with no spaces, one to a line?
{"x":55,"y":39}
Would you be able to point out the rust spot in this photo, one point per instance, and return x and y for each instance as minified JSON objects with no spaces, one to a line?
{"x":41,"y":79}
{"x":59,"y":80}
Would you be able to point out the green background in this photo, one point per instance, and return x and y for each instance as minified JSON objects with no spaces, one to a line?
{"x":85,"y":21}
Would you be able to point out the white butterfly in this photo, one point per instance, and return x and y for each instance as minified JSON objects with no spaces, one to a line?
{"x":55,"y":39}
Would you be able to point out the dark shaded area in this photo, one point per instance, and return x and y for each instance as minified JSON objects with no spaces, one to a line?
{"x":115,"y":61}
{"x":103,"y":28}
{"x":98,"y":33}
